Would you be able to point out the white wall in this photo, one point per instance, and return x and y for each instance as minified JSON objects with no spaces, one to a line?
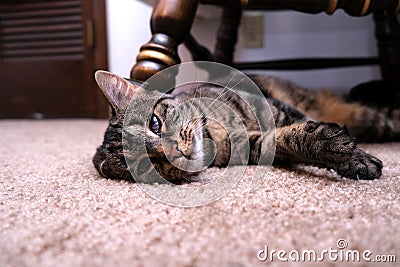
{"x":294,"y":34}
{"x":128,"y":29}
{"x":286,"y":34}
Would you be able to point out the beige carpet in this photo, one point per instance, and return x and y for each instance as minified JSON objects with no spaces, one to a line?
{"x":55,"y":210}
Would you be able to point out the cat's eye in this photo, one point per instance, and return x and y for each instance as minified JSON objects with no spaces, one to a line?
{"x":155,"y":124}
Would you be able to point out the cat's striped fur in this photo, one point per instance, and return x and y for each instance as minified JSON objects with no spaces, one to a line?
{"x":365,"y":123}
{"x":314,"y":139}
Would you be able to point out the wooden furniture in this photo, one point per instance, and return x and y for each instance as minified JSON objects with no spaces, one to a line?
{"x":172,"y":20}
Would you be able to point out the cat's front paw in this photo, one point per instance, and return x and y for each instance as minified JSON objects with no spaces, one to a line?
{"x":329,"y":142}
{"x":361,"y":166}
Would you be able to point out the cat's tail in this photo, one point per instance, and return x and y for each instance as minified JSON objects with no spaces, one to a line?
{"x":367,"y":124}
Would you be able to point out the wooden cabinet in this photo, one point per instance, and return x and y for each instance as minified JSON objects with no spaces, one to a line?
{"x":49,"y":51}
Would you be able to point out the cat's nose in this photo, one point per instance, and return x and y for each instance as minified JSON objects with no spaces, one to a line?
{"x":174,"y":153}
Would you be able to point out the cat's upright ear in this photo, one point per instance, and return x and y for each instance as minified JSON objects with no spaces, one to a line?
{"x":117,"y":90}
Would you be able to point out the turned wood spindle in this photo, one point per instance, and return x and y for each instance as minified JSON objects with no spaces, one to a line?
{"x":171,"y":22}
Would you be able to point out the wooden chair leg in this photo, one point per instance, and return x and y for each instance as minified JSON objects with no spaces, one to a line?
{"x":227,"y":34}
{"x":171,"y":22}
{"x":387,"y":31}
{"x":198,"y":52}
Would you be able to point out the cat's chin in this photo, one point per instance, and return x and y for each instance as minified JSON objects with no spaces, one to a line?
{"x":190,"y":165}
{"x":196,"y":156}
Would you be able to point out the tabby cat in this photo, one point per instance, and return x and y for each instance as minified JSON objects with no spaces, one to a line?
{"x":181,"y":143}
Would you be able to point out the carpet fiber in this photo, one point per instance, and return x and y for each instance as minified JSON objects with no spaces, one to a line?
{"x":56,"y":210}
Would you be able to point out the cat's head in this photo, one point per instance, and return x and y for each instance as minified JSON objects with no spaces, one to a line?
{"x":151,"y":132}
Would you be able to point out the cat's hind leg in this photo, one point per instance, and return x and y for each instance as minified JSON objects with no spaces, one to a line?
{"x":367,"y":124}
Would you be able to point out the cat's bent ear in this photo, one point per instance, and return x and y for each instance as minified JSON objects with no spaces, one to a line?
{"x":117,"y":90}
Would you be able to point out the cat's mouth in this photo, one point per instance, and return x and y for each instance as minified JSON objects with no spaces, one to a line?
{"x":189,"y":160}
{"x":177,"y":153}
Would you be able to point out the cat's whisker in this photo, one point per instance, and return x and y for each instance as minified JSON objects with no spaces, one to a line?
{"x":237,"y":83}
{"x":195,"y":93}
{"x":223,"y":92}
{"x":194,"y":97}
{"x":199,"y":127}
{"x":233,"y":76}
{"x":222,"y":105}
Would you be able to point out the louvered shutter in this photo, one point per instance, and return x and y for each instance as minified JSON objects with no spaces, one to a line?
{"x":42,"y":31}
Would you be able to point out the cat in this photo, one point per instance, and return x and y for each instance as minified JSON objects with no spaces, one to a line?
{"x":312,"y":128}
